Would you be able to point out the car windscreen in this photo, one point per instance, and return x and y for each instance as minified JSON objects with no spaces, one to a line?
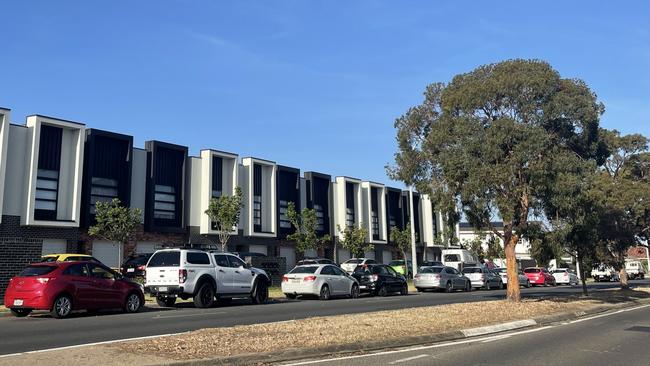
{"x":31,"y":271}
{"x":452,"y":258}
{"x":48,"y":259}
{"x":362,"y":269}
{"x":137,"y":260}
{"x":165,"y":259}
{"x":472,"y":270}
{"x":560,"y":271}
{"x":500,"y":270}
{"x":396,"y":263}
{"x":532,"y":270}
{"x":431,"y":270}
{"x":304,"y":269}
{"x":307,"y":261}
{"x":353,"y":261}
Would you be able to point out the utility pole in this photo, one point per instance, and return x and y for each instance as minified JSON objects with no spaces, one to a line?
{"x":414,"y":254}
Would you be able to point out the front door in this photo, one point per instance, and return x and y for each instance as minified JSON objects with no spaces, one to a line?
{"x":242,"y":277}
{"x":224,"y":274}
{"x":84,"y":296}
{"x":103,"y":283}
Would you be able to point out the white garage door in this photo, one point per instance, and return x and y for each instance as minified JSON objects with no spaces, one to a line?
{"x":258,"y":249}
{"x":54,"y":246}
{"x":290,"y":255}
{"x":386,"y":256}
{"x":107,"y":252}
{"x":369,"y":255}
{"x":145,"y":247}
{"x":344,"y":255}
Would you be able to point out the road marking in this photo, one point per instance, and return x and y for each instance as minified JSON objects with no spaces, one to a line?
{"x":187,"y":315}
{"x":91,"y":344}
{"x":408,"y":359}
{"x":498,"y":327}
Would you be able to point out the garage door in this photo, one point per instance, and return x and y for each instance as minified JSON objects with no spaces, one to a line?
{"x":258,"y":249}
{"x":290,"y":255}
{"x":369,"y":255}
{"x":344,"y":255}
{"x":386,"y":256}
{"x":145,"y":247}
{"x":54,"y":246}
{"x":107,"y":252}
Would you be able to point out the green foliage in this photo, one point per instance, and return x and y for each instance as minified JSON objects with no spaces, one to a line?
{"x":494,"y":248}
{"x":115,"y":222}
{"x":475,"y":246}
{"x":401,"y":238}
{"x":305,"y":224}
{"x":353,"y":238}
{"x":491,"y":141}
{"x":224,"y":212}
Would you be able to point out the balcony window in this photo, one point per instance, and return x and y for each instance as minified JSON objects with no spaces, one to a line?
{"x":47,"y":186}
{"x":285,"y":223}
{"x":320,"y":217}
{"x":47,"y":175}
{"x":257,"y":197}
{"x":102,"y":190}
{"x":164,"y":202}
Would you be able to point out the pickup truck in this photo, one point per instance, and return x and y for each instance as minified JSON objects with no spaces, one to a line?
{"x":634,"y":270}
{"x":604,"y":273}
{"x":204,"y":276}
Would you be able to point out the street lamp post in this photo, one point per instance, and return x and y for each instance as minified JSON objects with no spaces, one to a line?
{"x":413,"y":250}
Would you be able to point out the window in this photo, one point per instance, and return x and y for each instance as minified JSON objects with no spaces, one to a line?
{"x":391,"y":271}
{"x":222,"y":260}
{"x":320,"y":217}
{"x":47,"y":187}
{"x":165,"y":259}
{"x":217,"y":176}
{"x":78,"y":270}
{"x":305,"y":269}
{"x":284,"y":219}
{"x":257,"y":197}
{"x":374,"y":213}
{"x":102,"y":190}
{"x":338,"y":272}
{"x":452,"y":258}
{"x":32,"y":271}
{"x":164,"y":202}
{"x":349,"y":205}
{"x":197,"y":258}
{"x":101,"y":272}
{"x":380,"y":270}
{"x":327,"y":270}
{"x":431,"y":270}
{"x":472,"y":270}
{"x":47,"y":174}
{"x":236,"y":262}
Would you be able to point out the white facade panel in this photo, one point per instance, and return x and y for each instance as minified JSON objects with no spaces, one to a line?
{"x":290,"y":255}
{"x":4,"y":136}
{"x":202,"y":184}
{"x":54,"y":246}
{"x":14,"y":182}
{"x":108,"y":252}
{"x":340,"y":206}
{"x":367,"y":188}
{"x":268,"y":197}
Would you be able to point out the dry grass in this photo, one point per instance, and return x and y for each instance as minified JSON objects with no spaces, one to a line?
{"x":345,"y":329}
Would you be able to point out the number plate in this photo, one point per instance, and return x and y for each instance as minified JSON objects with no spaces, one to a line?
{"x":18,"y":302}
{"x":362,"y":287}
{"x":295,"y":281}
{"x":162,"y":289}
{"x":130,"y":269}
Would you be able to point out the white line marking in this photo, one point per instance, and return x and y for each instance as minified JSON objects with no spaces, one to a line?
{"x":498,"y":327}
{"x":408,"y":359}
{"x":90,"y":344}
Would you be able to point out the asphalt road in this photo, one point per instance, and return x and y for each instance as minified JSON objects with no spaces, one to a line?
{"x":618,"y":338}
{"x":40,"y":331}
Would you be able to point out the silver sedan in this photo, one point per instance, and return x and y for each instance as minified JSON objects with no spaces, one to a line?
{"x":441,"y":277}
{"x":321,"y":280}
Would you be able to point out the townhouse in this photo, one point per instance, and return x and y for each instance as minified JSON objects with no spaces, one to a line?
{"x":53,"y":171}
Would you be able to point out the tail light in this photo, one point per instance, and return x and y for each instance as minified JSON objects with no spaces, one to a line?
{"x":182,"y":275}
{"x":141,"y":268}
{"x":436,"y":276}
{"x":566,"y":275}
{"x":285,"y":279}
{"x":374,"y":277}
{"x":309,"y":278}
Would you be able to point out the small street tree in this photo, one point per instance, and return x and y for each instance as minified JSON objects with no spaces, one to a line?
{"x":353,"y":238}
{"x":224,"y":213}
{"x":487,"y":142}
{"x":305,"y":224}
{"x":402,"y":240}
{"x":114,"y":222}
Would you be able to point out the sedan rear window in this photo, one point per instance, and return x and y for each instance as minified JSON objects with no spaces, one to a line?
{"x":473,"y":270}
{"x":165,"y":259}
{"x":32,"y":271}
{"x":304,"y":269}
{"x":431,"y":270}
{"x":353,"y":261}
{"x":396,"y":263}
{"x":531,"y":270}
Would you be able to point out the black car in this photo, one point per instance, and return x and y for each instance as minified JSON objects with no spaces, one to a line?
{"x":380,"y":280}
{"x":135,"y":265}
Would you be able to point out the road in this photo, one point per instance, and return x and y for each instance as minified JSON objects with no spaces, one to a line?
{"x":39,"y":332}
{"x":618,"y":338}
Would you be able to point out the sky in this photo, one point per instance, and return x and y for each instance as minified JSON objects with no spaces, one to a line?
{"x":315,"y":85}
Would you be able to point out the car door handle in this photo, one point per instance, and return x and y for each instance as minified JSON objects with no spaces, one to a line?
{"x":222,"y":271}
{"x":236,"y":271}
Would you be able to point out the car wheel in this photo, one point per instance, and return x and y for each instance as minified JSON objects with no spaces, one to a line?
{"x":204,"y":298}
{"x":527,"y":283}
{"x":260,"y":292}
{"x":19,"y":313}
{"x":290,"y":296}
{"x":132,"y":303}
{"x":62,"y":307}
{"x":448,"y":287}
{"x":419,"y":289}
{"x":487,"y":286}
{"x":501,"y":286}
{"x":405,"y":290}
{"x":324,"y":293}
{"x":468,"y":286}
{"x":382,"y":291}
{"x":354,"y":292}
{"x":165,"y":302}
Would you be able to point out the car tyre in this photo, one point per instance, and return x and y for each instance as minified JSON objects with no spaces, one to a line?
{"x":468,"y":286}
{"x":404,"y":290}
{"x":382,"y":291}
{"x":260,"y":292}
{"x":501,"y":286}
{"x":448,"y":287}
{"x":324,"y":293}
{"x":165,"y":302}
{"x":133,"y":303}
{"x":204,"y":297}
{"x":527,"y":283}
{"x":291,"y":296}
{"x":20,"y":313}
{"x":419,"y":289}
{"x":354,"y":291}
{"x":62,"y":307}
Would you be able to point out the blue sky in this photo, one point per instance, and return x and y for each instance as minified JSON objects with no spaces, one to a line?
{"x":311,"y":84}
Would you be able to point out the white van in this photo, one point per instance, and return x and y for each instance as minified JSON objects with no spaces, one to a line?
{"x":459,"y":258}
{"x":634,"y":270}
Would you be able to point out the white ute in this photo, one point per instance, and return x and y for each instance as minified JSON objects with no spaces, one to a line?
{"x":203,"y":276}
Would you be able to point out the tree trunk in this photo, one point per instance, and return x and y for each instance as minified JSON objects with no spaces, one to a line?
{"x":583,"y":278}
{"x":510,"y":241}
{"x":624,"y":280}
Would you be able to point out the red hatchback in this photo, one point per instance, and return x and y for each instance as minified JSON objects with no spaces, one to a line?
{"x":539,"y":276}
{"x":62,"y":287}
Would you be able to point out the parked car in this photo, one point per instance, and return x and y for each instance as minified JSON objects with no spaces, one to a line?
{"x":315,"y":261}
{"x":539,"y":276}
{"x":398,"y":266}
{"x":351,"y":264}
{"x":441,"y":277}
{"x":243,"y":255}
{"x":63,"y":287}
{"x":68,"y":257}
{"x":459,"y":258}
{"x":483,"y":278}
{"x":380,"y":280}
{"x":605,"y":273}
{"x":565,"y":276}
{"x":135,"y":265}
{"x":634,"y":270}
{"x":430,"y":264}
{"x":503,"y":272}
{"x":204,"y":277}
{"x":322,"y":280}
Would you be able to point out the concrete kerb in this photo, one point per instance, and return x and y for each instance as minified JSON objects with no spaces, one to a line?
{"x":347,"y":349}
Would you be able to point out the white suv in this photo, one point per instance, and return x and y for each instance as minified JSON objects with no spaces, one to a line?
{"x":204,"y":276}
